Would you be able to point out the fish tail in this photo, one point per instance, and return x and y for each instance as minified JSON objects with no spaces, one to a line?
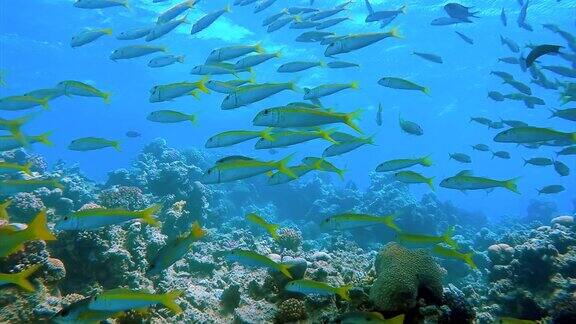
{"x":38,"y":228}
{"x":447,"y":236}
{"x":201,"y":84}
{"x":107,"y":31}
{"x":394,"y":32}
{"x":297,"y":18}
{"x":44,"y":102}
{"x":43,"y":138}
{"x":327,"y":135}
{"x":512,"y":185}
{"x":344,"y":292}
{"x":426,"y":91}
{"x":469,"y":261}
{"x":57,"y":184}
{"x":197,"y":232}
{"x":195,"y":94}
{"x":340,"y":173}
{"x":278,"y":54}
{"x":355,"y":85}
{"x":349,"y":119}
{"x":272,"y":229}
{"x":181,"y":58}
{"x":430,"y":183}
{"x":193,"y":119}
{"x":493,"y":155}
{"x":126,"y":5}
{"x":258,"y":48}
{"x":283,"y":168}
{"x":26,"y":168}
{"x":148,"y":215}
{"x":396,"y":320}
{"x":525,"y":161}
{"x":426,"y":161}
{"x":3,"y":209}
{"x":404,"y":9}
{"x":106,"y":97}
{"x":322,"y":64}
{"x":21,"y":278}
{"x":265,"y":134}
{"x":389,"y":221}
{"x":116,"y":146}
{"x":169,"y":300}
{"x":573,"y":137}
{"x":228,"y":8}
{"x":284,"y":268}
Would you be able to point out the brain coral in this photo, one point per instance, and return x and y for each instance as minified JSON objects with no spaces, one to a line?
{"x":404,"y":276}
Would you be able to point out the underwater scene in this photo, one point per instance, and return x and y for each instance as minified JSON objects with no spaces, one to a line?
{"x":288,"y":161}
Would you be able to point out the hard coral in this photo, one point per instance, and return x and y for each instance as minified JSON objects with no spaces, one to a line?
{"x":291,"y":310}
{"x":290,"y":238}
{"x":403,"y":277}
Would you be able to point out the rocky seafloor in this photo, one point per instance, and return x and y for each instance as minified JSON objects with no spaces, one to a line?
{"x":526,"y":267}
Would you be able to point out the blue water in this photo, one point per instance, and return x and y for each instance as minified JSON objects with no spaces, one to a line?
{"x":35,"y":53}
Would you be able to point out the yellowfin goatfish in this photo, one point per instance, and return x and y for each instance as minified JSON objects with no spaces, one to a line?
{"x":464,"y":180}
{"x":13,"y":186}
{"x":398,"y":164}
{"x":237,"y":136}
{"x":352,"y":220}
{"x":175,"y":11}
{"x":341,"y":65}
{"x":402,"y":84}
{"x":92,"y":143}
{"x":125,"y":299}
{"x":133,"y":51}
{"x":232,"y":52}
{"x":268,"y":227}
{"x":88,"y":36}
{"x":22,"y":102}
{"x":4,"y":209}
{"x":79,"y":313}
{"x":165,"y":60}
{"x":428,"y":239}
{"x":348,"y":145}
{"x":327,"y":89}
{"x":134,"y":33}
{"x":532,"y":135}
{"x":249,"y":94}
{"x":170,"y":116}
{"x":454,"y":254}
{"x":217,"y":68}
{"x":410,"y":177}
{"x":49,"y":93}
{"x":100,"y":4}
{"x":511,"y":320}
{"x":294,"y":116}
{"x":253,"y":60}
{"x":14,"y":168}
{"x":20,"y":279}
{"x":299,"y":66}
{"x":14,"y":125}
{"x":226,"y":87}
{"x":299,"y":170}
{"x":249,"y":258}
{"x":164,"y":28}
{"x":9,"y":142}
{"x":13,"y":241}
{"x":353,"y":42}
{"x":322,"y":165}
{"x":369,"y":318}
{"x":239,"y":167}
{"x":95,"y":218}
{"x":291,"y":137}
{"x":174,"y":251}
{"x":167,"y":92}
{"x":77,"y":88}
{"x":311,"y":287}
{"x":208,"y":20}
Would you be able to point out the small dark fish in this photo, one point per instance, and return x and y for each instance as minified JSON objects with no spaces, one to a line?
{"x":539,"y":161}
{"x":496,"y":96}
{"x":503,"y":75}
{"x":133,"y":134}
{"x":459,"y":11}
{"x":481,"y":120}
{"x":429,"y":57}
{"x":496,"y":125}
{"x":481,"y":147}
{"x":461,"y":157}
{"x":510,"y":43}
{"x":445,"y":21}
{"x":551,"y":189}
{"x":410,"y":127}
{"x":568,"y":114}
{"x":519,"y":86}
{"x":379,"y":115}
{"x":465,"y":38}
{"x":503,"y":18}
{"x":570,"y":150}
{"x":540,"y":50}
{"x":561,"y":70}
{"x":514,"y":123}
{"x":509,"y":60}
{"x":561,"y":168}
{"x":522,"y":16}
{"x":501,"y":154}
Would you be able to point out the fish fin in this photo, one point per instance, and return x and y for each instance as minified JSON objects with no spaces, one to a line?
{"x":126,"y":5}
{"x":389,"y":221}
{"x":404,"y":9}
{"x":469,"y":261}
{"x":394,"y":32}
{"x":340,"y":173}
{"x":322,"y":64}
{"x":426,"y":91}
{"x":297,"y":18}
{"x":21,"y":278}
{"x":26,"y":168}
{"x":43,"y":138}
{"x":327,"y":135}
{"x":3,"y":209}
{"x":44,"y":103}
{"x":38,"y":228}
{"x":201,"y":84}
{"x":116,"y":146}
{"x":426,"y":161}
{"x":258,"y":48}
{"x":148,"y":215}
{"x":283,"y":168}
{"x":284,"y":268}
{"x":193,"y":119}
{"x":197,"y":232}
{"x":511,"y":185}
{"x":272,"y":229}
{"x":349,"y":119}
{"x":265,"y":134}
{"x":107,"y":31}
{"x":447,"y":236}
{"x":181,"y":58}
{"x":169,"y":300}
{"x":228,"y":8}
{"x":355,"y":85}
{"x":430,"y":183}
{"x":106,"y":97}
{"x":344,"y":292}
{"x":278,"y":54}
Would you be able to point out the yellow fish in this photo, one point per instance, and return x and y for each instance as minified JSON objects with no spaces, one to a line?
{"x":12,"y":241}
{"x":269,"y":227}
{"x":20,"y":279}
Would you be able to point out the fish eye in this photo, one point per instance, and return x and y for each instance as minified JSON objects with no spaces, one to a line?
{"x":209,"y":171}
{"x":266,"y":112}
{"x":95,"y":297}
{"x":64,"y":312}
{"x":152,"y":265}
{"x":66,"y":218}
